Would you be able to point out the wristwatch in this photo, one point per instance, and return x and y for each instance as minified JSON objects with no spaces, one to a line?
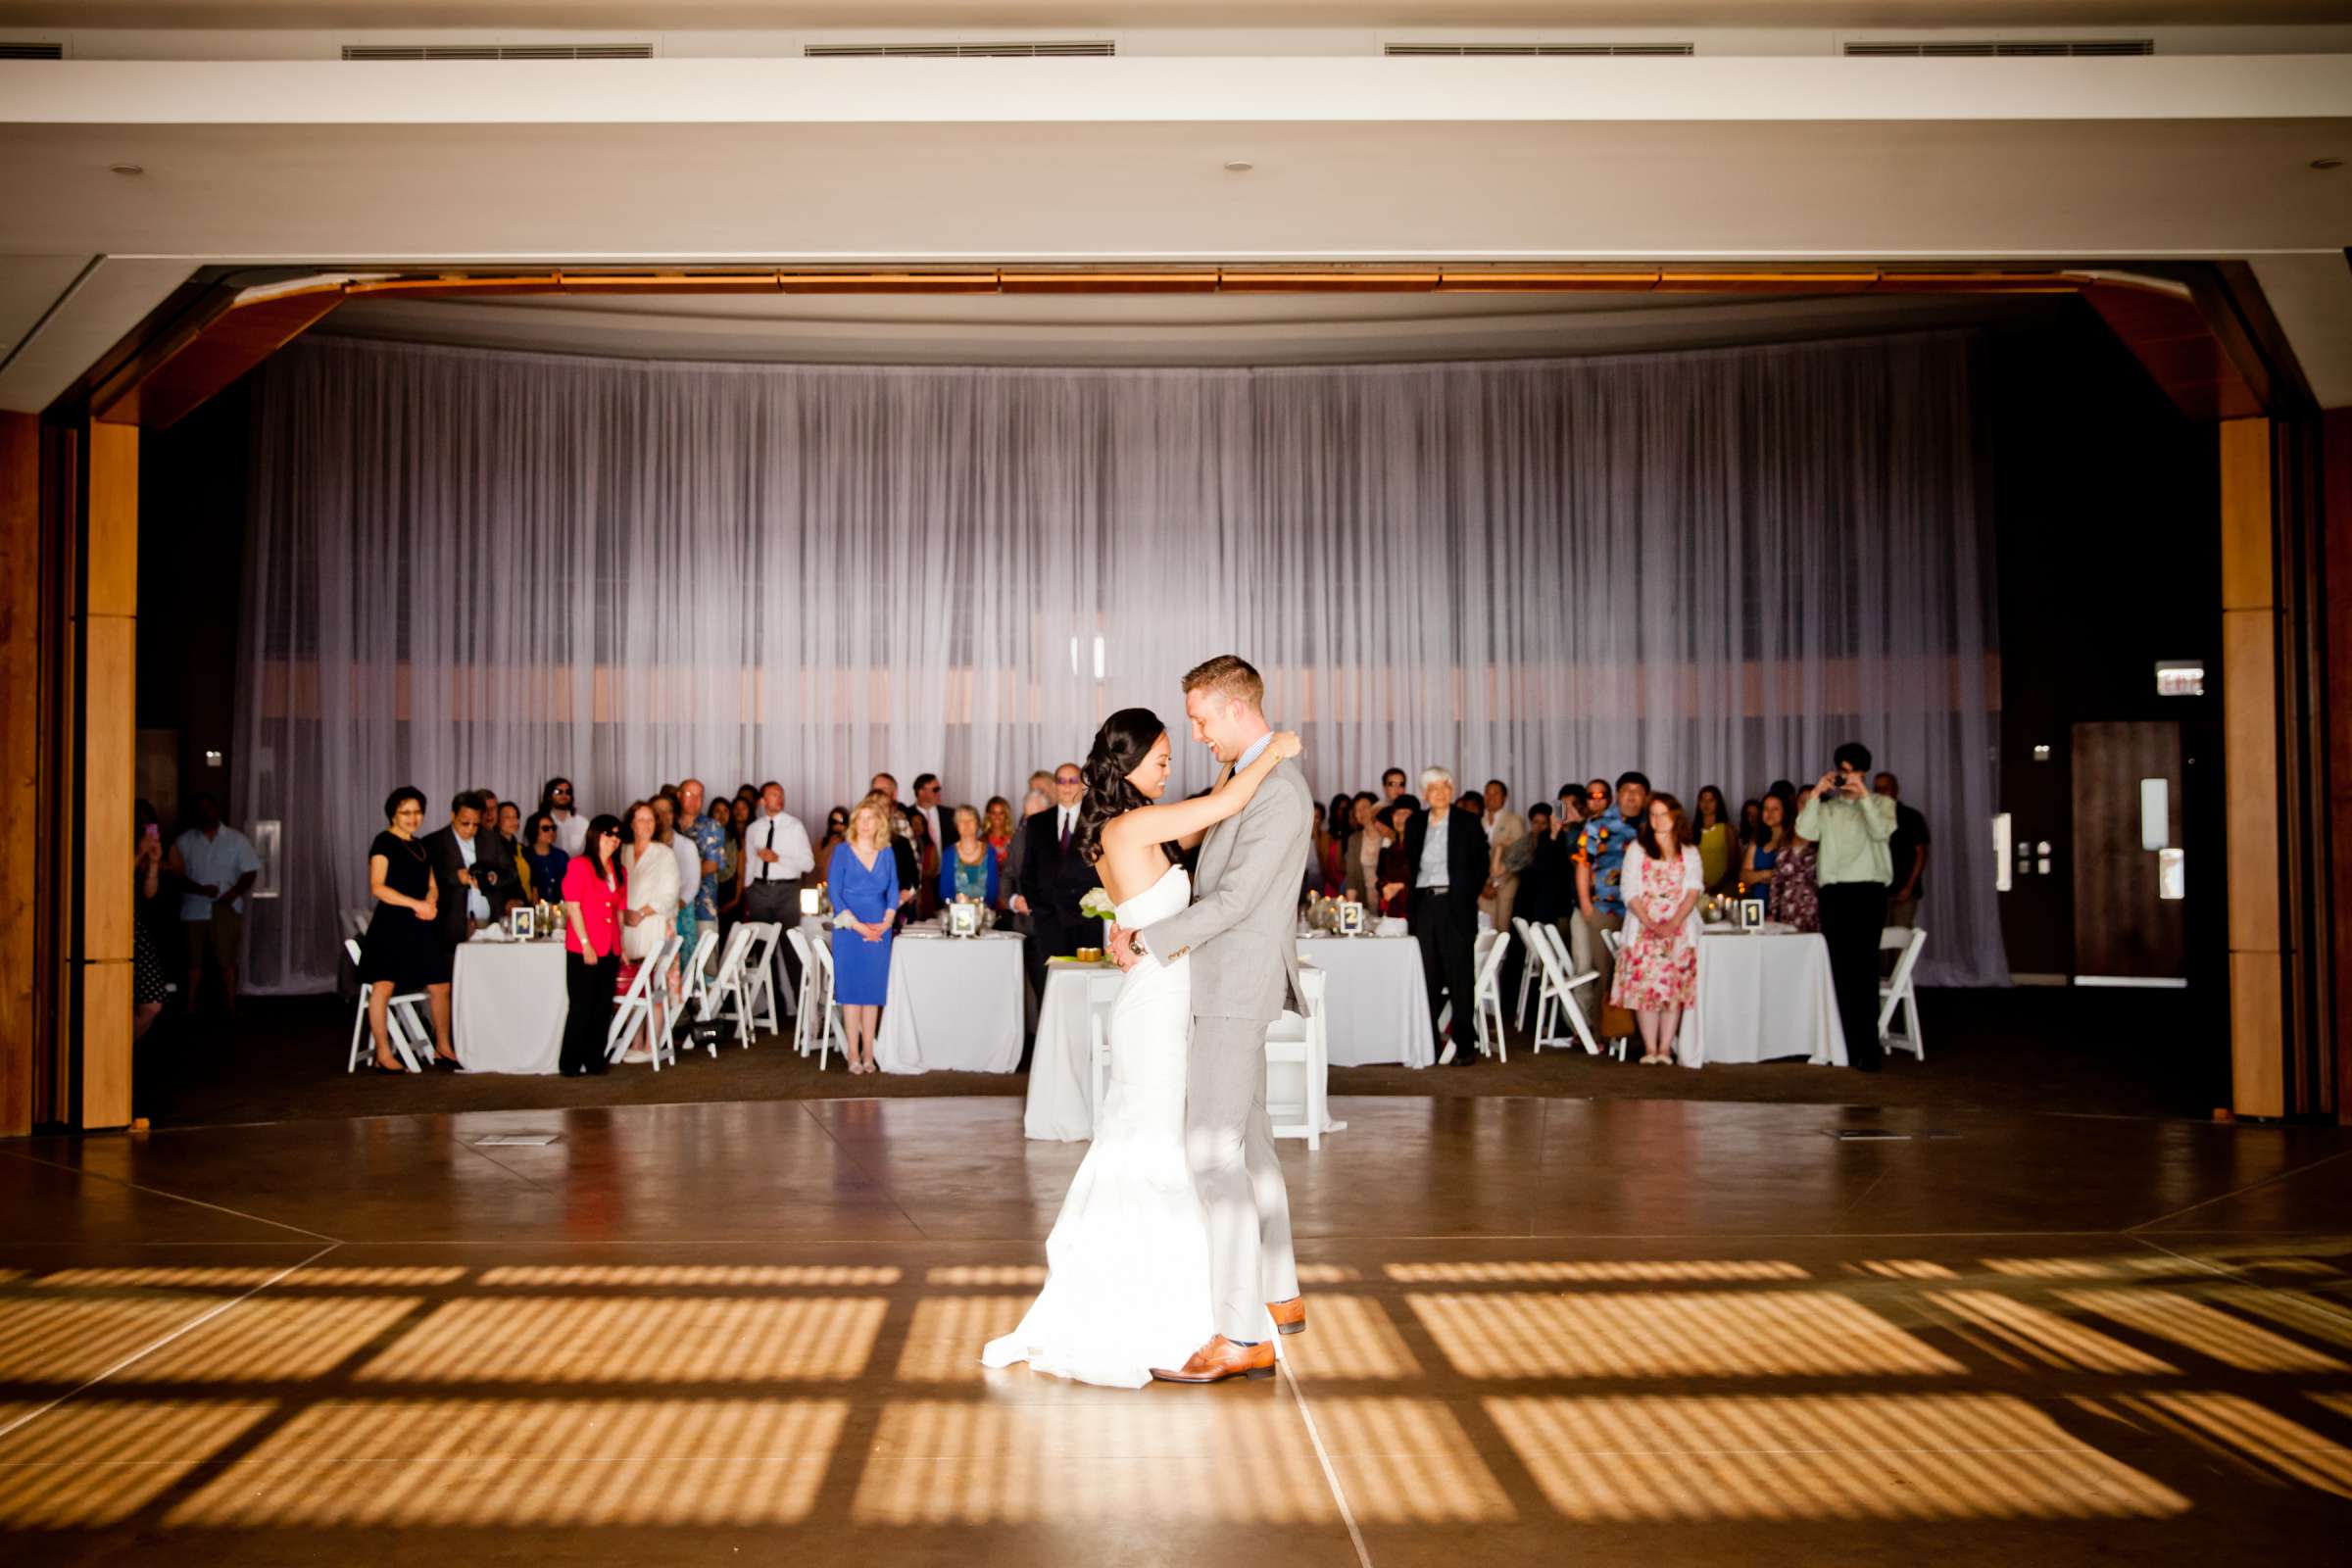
{"x":1135,"y":943}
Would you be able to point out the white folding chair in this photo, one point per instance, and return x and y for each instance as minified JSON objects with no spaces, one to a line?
{"x":721,"y":1000}
{"x":1292,"y":1040}
{"x":1558,"y":994}
{"x":407,"y":1032}
{"x":758,"y":980}
{"x":1528,"y":967}
{"x":1486,"y":1000}
{"x":638,"y":1008}
{"x":698,"y":980}
{"x":832,"y":1033}
{"x":804,"y":1019}
{"x":1897,"y":988}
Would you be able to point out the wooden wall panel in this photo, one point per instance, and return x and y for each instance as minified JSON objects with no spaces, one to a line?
{"x":19,"y":761}
{"x":106,"y":1016}
{"x":113,"y":551}
{"x":2250,"y":766}
{"x":109,"y":661}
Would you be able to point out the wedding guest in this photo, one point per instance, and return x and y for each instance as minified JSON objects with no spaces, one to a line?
{"x":214,"y":867}
{"x":401,"y":953}
{"x":1009,"y":882}
{"x":969,"y":870}
{"x":149,"y":990}
{"x":1795,"y":897}
{"x":864,"y":879}
{"x":1597,"y":797}
{"x":1360,"y":854}
{"x":1854,"y":830}
{"x":837,"y":828}
{"x":1751,"y":823}
{"x":1711,"y":831}
{"x":1445,"y":854}
{"x":595,"y":893}
{"x":1327,"y":845}
{"x":1599,"y":861}
{"x":1545,"y":887}
{"x":571,"y":829}
{"x":1657,"y":961}
{"x":1763,"y":859}
{"x":1476,"y":806}
{"x":1909,"y":849}
{"x":997,"y":824}
{"x":1053,"y":877}
{"x":465,"y":879}
{"x":937,"y":819}
{"x":651,"y":916}
{"x":543,"y":858}
{"x":701,"y":842}
{"x":509,"y":838}
{"x":775,"y":858}
{"x":1392,"y":787}
{"x":1507,"y":850}
{"x":918,"y":863}
{"x":1395,"y":872}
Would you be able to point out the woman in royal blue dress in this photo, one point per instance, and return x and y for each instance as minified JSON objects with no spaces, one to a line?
{"x":863,"y":878}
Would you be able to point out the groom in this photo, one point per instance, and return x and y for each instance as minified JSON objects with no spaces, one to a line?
{"x":1244,"y":970}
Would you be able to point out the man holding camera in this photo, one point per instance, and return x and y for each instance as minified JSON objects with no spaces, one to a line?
{"x":1855,"y":830}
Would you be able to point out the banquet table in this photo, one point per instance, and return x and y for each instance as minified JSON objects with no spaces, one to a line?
{"x":1061,"y":1070}
{"x":506,"y":1005}
{"x":1763,"y":996}
{"x":954,"y":1004}
{"x":1376,"y":1006}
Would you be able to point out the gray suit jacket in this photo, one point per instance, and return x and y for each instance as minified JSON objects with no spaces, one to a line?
{"x":1241,"y":926}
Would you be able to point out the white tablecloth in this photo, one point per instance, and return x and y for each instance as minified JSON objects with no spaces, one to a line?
{"x":954,"y":1004}
{"x":1377,"y":1008}
{"x":1761,"y":997}
{"x":1061,"y":1072}
{"x":506,"y":1005}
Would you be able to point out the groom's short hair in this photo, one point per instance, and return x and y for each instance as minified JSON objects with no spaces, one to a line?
{"x":1228,"y":675}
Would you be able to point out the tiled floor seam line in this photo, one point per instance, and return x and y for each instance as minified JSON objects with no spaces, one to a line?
{"x":2250,"y":1187}
{"x":183,"y":1330}
{"x":1331,"y":1475}
{"x":2229,"y":1273}
{"x":176,"y":1198}
{"x":842,"y":1150}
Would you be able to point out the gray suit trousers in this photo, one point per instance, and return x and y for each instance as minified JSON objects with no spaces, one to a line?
{"x":1230,"y":1143}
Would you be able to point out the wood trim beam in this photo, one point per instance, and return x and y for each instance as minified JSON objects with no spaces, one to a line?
{"x":108,"y":638}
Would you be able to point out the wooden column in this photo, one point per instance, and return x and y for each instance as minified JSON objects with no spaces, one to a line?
{"x":2250,"y":761}
{"x":21,"y":984}
{"x":108,"y":641}
{"x":2335,"y":529}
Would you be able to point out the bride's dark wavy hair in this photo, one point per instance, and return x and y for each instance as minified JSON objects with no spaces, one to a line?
{"x":1120,"y":746}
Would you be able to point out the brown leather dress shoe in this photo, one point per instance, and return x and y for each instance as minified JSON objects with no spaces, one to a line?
{"x":1290,"y":1317}
{"x":1220,"y":1358}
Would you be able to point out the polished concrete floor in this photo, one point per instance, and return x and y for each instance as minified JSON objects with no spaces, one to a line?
{"x":1542,"y":1331}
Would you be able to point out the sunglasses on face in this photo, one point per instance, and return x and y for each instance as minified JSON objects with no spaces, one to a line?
{"x":1067,"y":779}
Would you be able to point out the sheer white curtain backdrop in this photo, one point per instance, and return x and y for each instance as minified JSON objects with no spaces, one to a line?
{"x":469,"y":568}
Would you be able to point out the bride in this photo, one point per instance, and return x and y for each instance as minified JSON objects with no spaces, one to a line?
{"x":1127,"y":1288}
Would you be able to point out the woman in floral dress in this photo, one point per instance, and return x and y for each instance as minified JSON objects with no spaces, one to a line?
{"x":1796,"y":894}
{"x":1657,"y":957}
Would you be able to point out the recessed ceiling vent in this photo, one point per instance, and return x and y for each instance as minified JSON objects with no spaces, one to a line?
{"x":33,"y":51}
{"x":1582,"y":49}
{"x":1054,"y":49}
{"x":2005,"y":48}
{"x":497,"y":51}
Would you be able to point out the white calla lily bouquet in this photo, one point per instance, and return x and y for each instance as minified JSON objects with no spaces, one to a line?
{"x":1097,"y":904}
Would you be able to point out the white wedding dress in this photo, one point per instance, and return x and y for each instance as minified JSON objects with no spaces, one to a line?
{"x":1128,"y":1285}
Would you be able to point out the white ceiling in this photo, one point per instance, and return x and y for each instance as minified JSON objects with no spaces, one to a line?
{"x":1009,"y":161}
{"x":1120,"y":13}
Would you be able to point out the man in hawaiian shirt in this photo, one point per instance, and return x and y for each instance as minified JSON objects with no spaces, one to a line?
{"x":1600,"y":897}
{"x":711,"y":843}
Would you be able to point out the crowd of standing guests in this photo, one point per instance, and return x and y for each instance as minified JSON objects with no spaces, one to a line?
{"x":1604,"y":859}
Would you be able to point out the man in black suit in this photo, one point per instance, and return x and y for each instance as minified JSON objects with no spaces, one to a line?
{"x":471,"y":884}
{"x":1053,"y":877}
{"x":1446,"y":856}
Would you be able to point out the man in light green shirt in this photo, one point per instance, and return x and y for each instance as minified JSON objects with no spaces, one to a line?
{"x":1855,"y":832}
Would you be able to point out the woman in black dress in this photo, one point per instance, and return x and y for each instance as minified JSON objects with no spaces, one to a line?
{"x":399,"y":953}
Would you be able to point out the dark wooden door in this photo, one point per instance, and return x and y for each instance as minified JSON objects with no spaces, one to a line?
{"x":2125,"y":928}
